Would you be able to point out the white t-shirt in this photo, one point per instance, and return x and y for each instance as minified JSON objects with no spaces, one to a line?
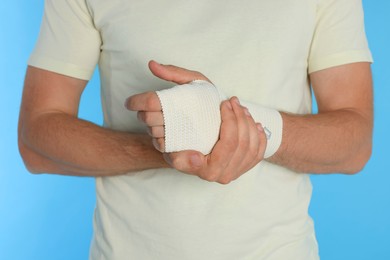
{"x":258,"y":50}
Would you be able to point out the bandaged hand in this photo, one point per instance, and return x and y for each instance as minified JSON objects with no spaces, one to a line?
{"x":192,"y":117}
{"x":228,"y":131}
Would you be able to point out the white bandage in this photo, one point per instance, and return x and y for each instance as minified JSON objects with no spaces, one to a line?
{"x":192,"y":118}
{"x":272,"y":122}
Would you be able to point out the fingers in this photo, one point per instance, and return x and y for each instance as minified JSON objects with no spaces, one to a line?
{"x":225,"y":148}
{"x":245,"y":125}
{"x":155,"y":123}
{"x":174,"y":74}
{"x":212,"y":166}
{"x":241,"y":146}
{"x":156,"y":131}
{"x":159,"y":144}
{"x":251,"y":147}
{"x":151,"y":118}
{"x":147,"y":101}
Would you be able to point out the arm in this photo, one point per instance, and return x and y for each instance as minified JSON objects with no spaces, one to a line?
{"x":52,"y":139}
{"x":339,"y":137}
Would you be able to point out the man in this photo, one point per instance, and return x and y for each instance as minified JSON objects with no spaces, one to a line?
{"x":152,"y":205}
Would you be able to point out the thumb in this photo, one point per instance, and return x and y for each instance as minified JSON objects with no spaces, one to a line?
{"x":175,"y":74}
{"x":190,"y":162}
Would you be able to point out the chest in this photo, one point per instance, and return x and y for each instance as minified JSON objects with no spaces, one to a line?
{"x":255,"y":49}
{"x":203,"y":27}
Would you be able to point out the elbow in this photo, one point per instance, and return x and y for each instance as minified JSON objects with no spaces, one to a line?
{"x":33,"y":170}
{"x":358,"y":160}
{"x":31,"y":165}
{"x":30,"y":159}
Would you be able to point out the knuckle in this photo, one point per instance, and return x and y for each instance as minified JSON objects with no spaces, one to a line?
{"x":180,"y":162}
{"x":231,"y":144}
{"x":221,"y":158}
{"x":244,"y":143}
{"x":211,"y":177}
{"x":225,"y":180}
{"x":176,"y":162}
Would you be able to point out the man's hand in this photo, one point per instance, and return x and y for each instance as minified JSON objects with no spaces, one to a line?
{"x":241,"y":145}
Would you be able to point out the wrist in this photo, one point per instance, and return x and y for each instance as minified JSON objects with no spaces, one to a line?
{"x":272,"y":123}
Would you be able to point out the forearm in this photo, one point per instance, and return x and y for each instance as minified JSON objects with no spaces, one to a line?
{"x":63,"y":144}
{"x":337,"y":141}
{"x":334,"y":141}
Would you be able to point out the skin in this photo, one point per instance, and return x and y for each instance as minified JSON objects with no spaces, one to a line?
{"x":241,"y":145}
{"x":338,"y":139}
{"x":53,"y":140}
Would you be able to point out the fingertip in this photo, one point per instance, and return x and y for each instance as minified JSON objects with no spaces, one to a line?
{"x":227,"y":104}
{"x":153,"y":62}
{"x":154,"y":67}
{"x":128,"y":103}
{"x":235,"y":100}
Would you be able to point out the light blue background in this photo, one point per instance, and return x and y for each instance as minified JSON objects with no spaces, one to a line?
{"x":50,"y":217}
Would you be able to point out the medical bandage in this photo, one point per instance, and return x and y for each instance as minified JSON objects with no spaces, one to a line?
{"x":192,"y":118}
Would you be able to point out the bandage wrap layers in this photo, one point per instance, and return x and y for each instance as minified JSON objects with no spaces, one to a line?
{"x":272,"y":122}
{"x":192,"y":118}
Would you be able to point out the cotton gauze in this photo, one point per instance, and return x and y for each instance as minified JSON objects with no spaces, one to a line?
{"x":192,"y":116}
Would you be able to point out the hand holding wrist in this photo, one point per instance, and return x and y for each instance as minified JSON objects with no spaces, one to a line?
{"x":192,"y":118}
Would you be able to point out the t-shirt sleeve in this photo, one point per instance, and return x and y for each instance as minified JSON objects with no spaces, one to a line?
{"x":339,"y":37}
{"x":68,"y":43}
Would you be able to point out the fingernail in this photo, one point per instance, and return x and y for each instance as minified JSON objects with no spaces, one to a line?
{"x":195,"y":160}
{"x":127,"y":101}
{"x":237,"y":100}
{"x":155,"y":144}
{"x":167,"y":158}
{"x":260,"y":127}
